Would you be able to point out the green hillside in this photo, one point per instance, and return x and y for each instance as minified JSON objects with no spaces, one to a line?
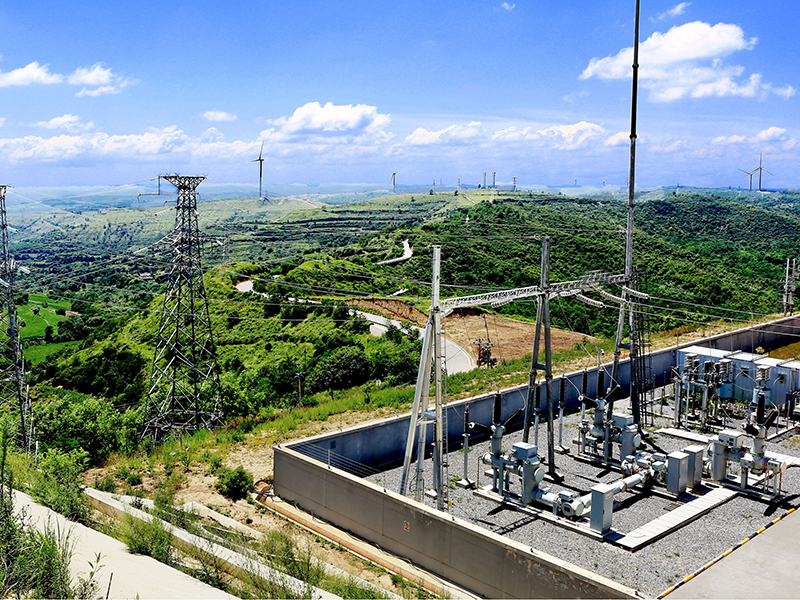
{"x":706,"y":250}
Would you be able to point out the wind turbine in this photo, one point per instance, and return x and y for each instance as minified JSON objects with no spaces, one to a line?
{"x":761,"y":169}
{"x":394,"y":182}
{"x":260,"y":161}
{"x":750,"y":173}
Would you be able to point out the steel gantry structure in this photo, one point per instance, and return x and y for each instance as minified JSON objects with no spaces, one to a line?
{"x":431,"y":362}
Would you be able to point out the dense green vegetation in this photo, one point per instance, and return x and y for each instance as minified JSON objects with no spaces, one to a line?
{"x":294,"y":342}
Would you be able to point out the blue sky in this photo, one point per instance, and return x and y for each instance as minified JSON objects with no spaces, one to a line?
{"x":353,"y":90}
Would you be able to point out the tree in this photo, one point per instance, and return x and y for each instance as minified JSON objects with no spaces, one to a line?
{"x":342,"y":369}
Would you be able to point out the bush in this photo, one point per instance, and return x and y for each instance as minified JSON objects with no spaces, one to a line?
{"x":59,"y":488}
{"x":134,"y":479}
{"x":67,"y":420}
{"x":45,"y":563}
{"x":106,"y":484}
{"x":341,"y":369}
{"x":33,"y":563}
{"x":149,"y":538}
{"x":234,"y":484}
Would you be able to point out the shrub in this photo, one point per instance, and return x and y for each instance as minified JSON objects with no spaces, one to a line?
{"x":33,"y":563}
{"x":234,"y":484}
{"x":134,"y":479}
{"x":45,"y":563}
{"x":68,"y":420}
{"x":59,"y":488}
{"x":106,"y":484}
{"x":150,"y":538}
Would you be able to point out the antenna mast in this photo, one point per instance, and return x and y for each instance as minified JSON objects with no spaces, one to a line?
{"x":12,"y":361}
{"x":184,"y":383}
{"x":626,"y":297}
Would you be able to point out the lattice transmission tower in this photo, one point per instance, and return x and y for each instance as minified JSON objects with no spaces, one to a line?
{"x":183,"y":394}
{"x":13,"y":396}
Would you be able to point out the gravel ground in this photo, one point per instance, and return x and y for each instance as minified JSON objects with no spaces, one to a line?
{"x":650,"y":570}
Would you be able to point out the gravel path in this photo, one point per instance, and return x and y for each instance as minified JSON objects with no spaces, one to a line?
{"x":650,"y":570}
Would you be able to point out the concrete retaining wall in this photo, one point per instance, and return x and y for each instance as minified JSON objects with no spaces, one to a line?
{"x":316,"y":474}
{"x":471,"y":557}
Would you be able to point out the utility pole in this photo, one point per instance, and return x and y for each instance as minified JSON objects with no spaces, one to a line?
{"x":299,"y":376}
{"x":789,"y":286}
{"x":12,"y":361}
{"x":494,"y":180}
{"x":484,"y":180}
{"x":627,"y":300}
{"x":184,"y":383}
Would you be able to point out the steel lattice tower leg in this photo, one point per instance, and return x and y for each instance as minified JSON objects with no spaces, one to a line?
{"x":12,"y":362}
{"x":184,"y":383}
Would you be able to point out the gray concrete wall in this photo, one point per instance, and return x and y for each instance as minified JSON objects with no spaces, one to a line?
{"x":469,"y":556}
{"x":312,"y":474}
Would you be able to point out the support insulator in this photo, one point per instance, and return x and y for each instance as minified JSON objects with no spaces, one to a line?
{"x":635,"y":293}
{"x":608,"y":296}
{"x":590,"y":301}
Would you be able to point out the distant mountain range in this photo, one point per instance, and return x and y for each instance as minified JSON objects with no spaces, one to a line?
{"x":53,"y":200}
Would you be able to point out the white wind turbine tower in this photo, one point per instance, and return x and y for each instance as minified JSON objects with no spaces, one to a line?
{"x":761,"y":169}
{"x":260,"y":161}
{"x":750,"y":173}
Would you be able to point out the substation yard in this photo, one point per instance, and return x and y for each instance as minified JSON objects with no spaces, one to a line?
{"x":655,"y":567}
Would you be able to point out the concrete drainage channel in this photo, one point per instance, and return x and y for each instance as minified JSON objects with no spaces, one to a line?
{"x":243,"y":565}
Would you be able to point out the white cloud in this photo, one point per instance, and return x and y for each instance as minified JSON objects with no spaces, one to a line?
{"x":103,"y":90}
{"x":618,"y":139}
{"x":569,"y":137}
{"x":31,"y":74}
{"x":96,"y":75}
{"x":730,"y":139}
{"x":71,"y":123}
{"x":212,"y":134}
{"x":97,"y":79}
{"x":687,"y":61}
{"x":675,"y":11}
{"x":2,"y":121}
{"x":563,"y":137}
{"x":507,"y":6}
{"x":788,"y":145}
{"x":331,"y":123}
{"x":100,"y":81}
{"x":773,"y":133}
{"x":673,"y":147}
{"x":453,"y":135}
{"x":219,"y":116}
